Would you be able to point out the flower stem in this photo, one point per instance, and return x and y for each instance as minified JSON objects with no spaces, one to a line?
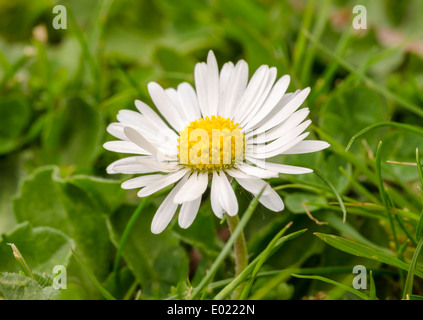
{"x":240,"y":253}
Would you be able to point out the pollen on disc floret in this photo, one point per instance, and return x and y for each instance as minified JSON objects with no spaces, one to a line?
{"x":211,"y":144}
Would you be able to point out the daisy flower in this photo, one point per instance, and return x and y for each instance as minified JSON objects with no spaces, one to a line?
{"x":224,"y":129}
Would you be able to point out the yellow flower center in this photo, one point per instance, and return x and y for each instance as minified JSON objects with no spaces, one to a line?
{"x":211,"y":144}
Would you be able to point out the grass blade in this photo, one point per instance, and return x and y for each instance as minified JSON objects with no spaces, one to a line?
{"x":368,"y":81}
{"x":264,"y":256}
{"x":247,"y":271}
{"x":332,"y":188}
{"x":339,"y":285}
{"x":301,"y":43}
{"x":403,"y":126}
{"x":227,"y":248}
{"x":372,"y":294}
{"x":22,"y":263}
{"x":100,"y":288}
{"x":419,"y":228}
{"x":127,"y":231}
{"x":364,"y":251}
{"x":408,"y":288}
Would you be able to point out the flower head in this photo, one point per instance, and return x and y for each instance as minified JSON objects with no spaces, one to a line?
{"x":224,"y":129}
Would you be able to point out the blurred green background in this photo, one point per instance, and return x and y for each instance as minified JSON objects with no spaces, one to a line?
{"x":60,"y":88}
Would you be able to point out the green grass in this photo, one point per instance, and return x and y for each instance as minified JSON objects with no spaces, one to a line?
{"x":365,"y":200}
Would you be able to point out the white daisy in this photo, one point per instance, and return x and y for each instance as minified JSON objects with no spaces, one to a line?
{"x":224,"y":129}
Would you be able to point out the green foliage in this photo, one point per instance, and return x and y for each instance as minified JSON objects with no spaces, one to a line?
{"x":157,"y":261}
{"x":53,"y":248}
{"x":60,"y":88}
{"x":15,"y":286}
{"x":72,"y":134}
{"x":73,"y":208}
{"x":366,"y":252}
{"x":15,"y":115}
{"x":360,"y":105}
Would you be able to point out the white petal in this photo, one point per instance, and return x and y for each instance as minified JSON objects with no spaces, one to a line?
{"x":281,"y":168}
{"x":212,"y":83}
{"x":155,"y":135}
{"x":174,"y":96}
{"x":139,"y":164}
{"x":150,"y":114}
{"x":200,"y":75}
{"x":252,"y":184}
{"x":257,"y":172}
{"x":281,"y":129}
{"x":269,"y":198}
{"x":262,"y":155}
{"x":215,"y":196}
{"x":188,"y":212}
{"x":137,"y":138}
{"x":224,"y":82}
{"x":189,"y":101}
{"x":286,"y":98}
{"x":194,"y":188}
{"x":165,"y":212}
{"x":141,"y":181}
{"x":282,"y":140}
{"x":254,"y":88}
{"x":257,"y":104}
{"x":161,"y":183}
{"x":144,"y":125}
{"x":307,"y":146}
{"x":287,"y":109}
{"x":130,"y":117}
{"x":271,"y":101}
{"x":235,"y":173}
{"x":227,"y":196}
{"x":165,"y":106}
{"x":116,"y":130}
{"x":235,"y":90}
{"x":124,"y":147}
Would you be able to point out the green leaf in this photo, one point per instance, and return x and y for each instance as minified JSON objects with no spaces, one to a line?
{"x":15,"y":115}
{"x":42,"y":248}
{"x":106,"y":294}
{"x":294,"y":202}
{"x":9,"y":173}
{"x":330,"y":169}
{"x":157,"y":261}
{"x":106,"y":194}
{"x":202,"y":232}
{"x":15,"y":286}
{"x":246,"y":10}
{"x":360,"y":105}
{"x":73,"y":134}
{"x":400,"y":146}
{"x":332,"y":188}
{"x":120,"y":283}
{"x":47,"y":200}
{"x":361,"y":250}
